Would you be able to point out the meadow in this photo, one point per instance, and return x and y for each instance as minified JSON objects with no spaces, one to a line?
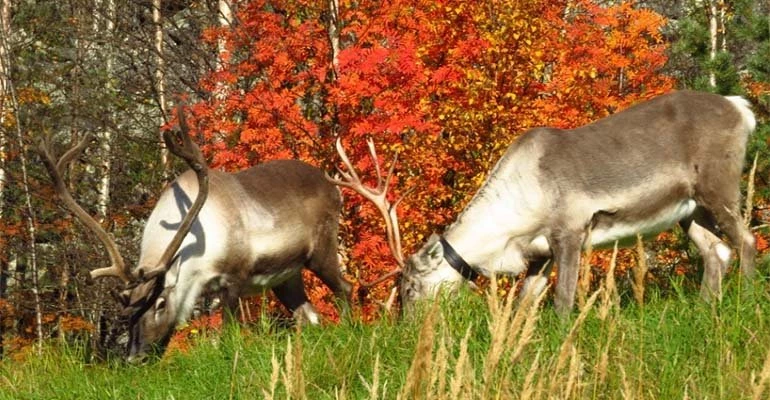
{"x":468,"y":346}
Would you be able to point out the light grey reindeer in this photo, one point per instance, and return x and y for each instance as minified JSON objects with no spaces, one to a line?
{"x":674,"y":159}
{"x":244,"y":232}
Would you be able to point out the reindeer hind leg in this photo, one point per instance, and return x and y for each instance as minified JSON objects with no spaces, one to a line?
{"x":292,"y":294}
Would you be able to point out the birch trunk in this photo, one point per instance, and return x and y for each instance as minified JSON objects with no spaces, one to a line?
{"x":334,"y":33}
{"x":160,"y":80}
{"x":30,"y":221}
{"x":713,"y":39}
{"x":5,"y":71}
{"x":107,"y":135}
{"x":225,"y":18}
{"x":5,"y":33}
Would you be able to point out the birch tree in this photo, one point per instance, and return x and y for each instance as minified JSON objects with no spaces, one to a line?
{"x":5,"y":31}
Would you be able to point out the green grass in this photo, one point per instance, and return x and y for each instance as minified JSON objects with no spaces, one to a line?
{"x":671,"y":348}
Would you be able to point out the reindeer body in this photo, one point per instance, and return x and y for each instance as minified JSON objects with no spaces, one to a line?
{"x":676,"y":158}
{"x":257,"y":229}
{"x":243,"y":232}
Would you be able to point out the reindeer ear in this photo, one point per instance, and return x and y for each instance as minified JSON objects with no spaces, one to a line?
{"x":435,"y":250}
{"x":124,"y":297}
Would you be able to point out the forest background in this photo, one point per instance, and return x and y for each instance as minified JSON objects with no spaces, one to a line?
{"x":445,"y":84}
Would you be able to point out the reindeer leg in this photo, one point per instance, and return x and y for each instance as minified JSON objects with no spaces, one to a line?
{"x":291,"y":293}
{"x":740,"y":237}
{"x":566,"y":249}
{"x":715,"y":253}
{"x":230,"y":306}
{"x":719,"y":193}
{"x":536,"y":279}
{"x":325,"y":265}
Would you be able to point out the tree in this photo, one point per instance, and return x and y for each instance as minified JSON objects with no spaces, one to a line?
{"x":447,"y":85}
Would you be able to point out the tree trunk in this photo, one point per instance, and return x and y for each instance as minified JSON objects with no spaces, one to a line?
{"x":225,"y":18}
{"x":160,"y":80}
{"x":30,"y":220}
{"x":106,"y":145}
{"x":713,"y":39}
{"x":5,"y":32}
{"x":334,"y":33}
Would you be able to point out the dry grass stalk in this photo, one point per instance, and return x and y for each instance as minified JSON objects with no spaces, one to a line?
{"x":419,"y":370}
{"x":640,"y":272}
{"x":529,"y":391}
{"x":374,"y":388}
{"x":274,"y":377}
{"x":626,"y":391}
{"x":584,"y":284}
{"x":340,"y":391}
{"x":500,"y":330}
{"x":750,"y":193}
{"x":292,"y":376}
{"x":524,"y":323}
{"x":567,"y":346}
{"x":602,"y":367}
{"x":232,"y":374}
{"x":610,"y":297}
{"x":461,"y":387}
{"x":764,"y":379}
{"x":438,"y":378}
{"x":571,"y":388}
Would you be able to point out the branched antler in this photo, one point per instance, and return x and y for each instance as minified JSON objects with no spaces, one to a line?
{"x":56,"y":169}
{"x":378,"y":196}
{"x":180,"y":144}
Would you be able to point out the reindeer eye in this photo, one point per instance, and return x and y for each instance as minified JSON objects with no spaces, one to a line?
{"x":160,"y":303}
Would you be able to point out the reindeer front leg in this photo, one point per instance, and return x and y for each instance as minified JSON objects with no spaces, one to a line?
{"x":566,"y":248}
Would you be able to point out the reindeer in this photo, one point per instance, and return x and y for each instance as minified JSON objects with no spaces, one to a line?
{"x":244,"y":232}
{"x":674,"y":159}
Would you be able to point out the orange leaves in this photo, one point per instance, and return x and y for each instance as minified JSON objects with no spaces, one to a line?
{"x":70,"y":324}
{"x":604,"y":59}
{"x":762,"y":242}
{"x":447,"y":84}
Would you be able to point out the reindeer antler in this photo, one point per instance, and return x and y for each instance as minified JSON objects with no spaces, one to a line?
{"x":56,"y":170}
{"x":180,"y":144}
{"x":378,"y":196}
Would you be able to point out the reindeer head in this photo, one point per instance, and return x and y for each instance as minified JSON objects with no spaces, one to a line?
{"x":152,"y":317}
{"x":427,"y":272}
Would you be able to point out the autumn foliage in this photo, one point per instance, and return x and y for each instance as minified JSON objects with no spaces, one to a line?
{"x":446,"y":84}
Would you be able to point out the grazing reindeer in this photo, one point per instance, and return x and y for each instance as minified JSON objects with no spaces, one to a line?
{"x":244,"y":232}
{"x":674,"y":159}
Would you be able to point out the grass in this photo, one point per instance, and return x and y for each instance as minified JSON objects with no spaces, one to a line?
{"x":466,"y":347}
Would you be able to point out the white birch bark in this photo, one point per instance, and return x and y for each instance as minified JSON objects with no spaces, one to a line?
{"x":106,"y":143}
{"x":160,"y":79}
{"x":225,"y":19}
{"x":30,"y":219}
{"x":713,"y":38}
{"x":334,"y":33}
{"x":5,"y":33}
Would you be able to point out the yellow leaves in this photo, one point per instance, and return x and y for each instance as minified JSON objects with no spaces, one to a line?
{"x":31,"y":96}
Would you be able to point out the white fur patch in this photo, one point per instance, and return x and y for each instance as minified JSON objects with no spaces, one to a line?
{"x":270,"y":280}
{"x":306,"y":313}
{"x":744,"y":107}
{"x":723,"y":252}
{"x":657,"y":223}
{"x":533,"y":286}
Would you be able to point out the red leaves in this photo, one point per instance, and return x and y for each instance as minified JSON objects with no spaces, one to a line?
{"x":446,"y":84}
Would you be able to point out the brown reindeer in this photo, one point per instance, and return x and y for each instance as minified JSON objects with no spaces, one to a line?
{"x":244,"y":232}
{"x":673,"y":159}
